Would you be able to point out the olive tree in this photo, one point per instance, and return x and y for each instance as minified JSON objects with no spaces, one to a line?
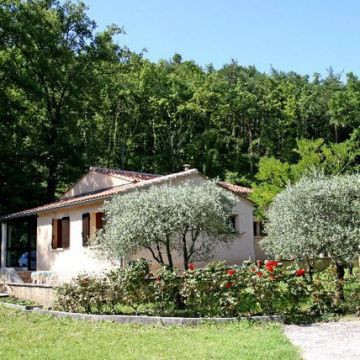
{"x":318,"y":215}
{"x":186,"y":219}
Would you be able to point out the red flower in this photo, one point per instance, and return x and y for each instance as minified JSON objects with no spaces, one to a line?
{"x":191,"y":267}
{"x":231,"y":272}
{"x":259,"y":273}
{"x":259,"y":263}
{"x":271,"y":265}
{"x":300,"y":272}
{"x":272,"y":277}
{"x":228,"y":285}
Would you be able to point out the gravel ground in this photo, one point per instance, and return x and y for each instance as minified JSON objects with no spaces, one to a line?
{"x":336,"y":340}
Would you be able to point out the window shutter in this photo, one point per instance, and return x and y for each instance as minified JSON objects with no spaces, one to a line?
{"x":58,"y":243}
{"x":99,"y":220}
{"x":53,"y":235}
{"x":85,"y":229}
{"x":65,"y":232}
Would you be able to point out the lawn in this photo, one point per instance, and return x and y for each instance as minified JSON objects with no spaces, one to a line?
{"x":34,"y":336}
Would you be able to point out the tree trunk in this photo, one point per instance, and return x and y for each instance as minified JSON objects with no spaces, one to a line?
{"x":340,"y":273}
{"x":351,"y":269}
{"x":169,"y":256}
{"x":51,"y":182}
{"x":311,"y":267}
{"x":185,"y":251}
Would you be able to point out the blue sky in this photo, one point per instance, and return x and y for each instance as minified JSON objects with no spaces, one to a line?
{"x":306,"y":36}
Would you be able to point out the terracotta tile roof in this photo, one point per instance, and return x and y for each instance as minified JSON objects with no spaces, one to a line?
{"x":130,"y":175}
{"x":237,"y":189}
{"x":106,"y":194}
{"x":99,"y":195}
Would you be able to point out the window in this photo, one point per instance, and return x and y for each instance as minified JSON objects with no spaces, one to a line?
{"x":61,"y":233}
{"x":258,"y":228}
{"x":99,"y":220}
{"x":85,"y":229}
{"x":233,"y":223}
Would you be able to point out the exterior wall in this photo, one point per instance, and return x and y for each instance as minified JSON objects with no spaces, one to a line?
{"x":39,"y":294}
{"x":3,"y":244}
{"x":76,"y":259}
{"x":259,"y":252}
{"x":94,"y":181}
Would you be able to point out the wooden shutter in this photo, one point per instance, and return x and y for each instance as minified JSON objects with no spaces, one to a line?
{"x":58,"y":234}
{"x":99,"y":220}
{"x":65,"y":232}
{"x":85,"y":228}
{"x":53,"y":235}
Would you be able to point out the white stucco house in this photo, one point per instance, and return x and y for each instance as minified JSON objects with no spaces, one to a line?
{"x":54,"y":237}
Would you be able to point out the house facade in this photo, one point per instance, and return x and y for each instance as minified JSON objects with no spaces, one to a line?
{"x":54,"y":237}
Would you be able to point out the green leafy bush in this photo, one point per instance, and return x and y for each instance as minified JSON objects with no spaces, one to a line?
{"x":167,"y":290}
{"x":84,"y":294}
{"x":215,"y":290}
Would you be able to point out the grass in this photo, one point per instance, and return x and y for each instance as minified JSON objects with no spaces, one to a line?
{"x":13,"y":300}
{"x":35,"y":336}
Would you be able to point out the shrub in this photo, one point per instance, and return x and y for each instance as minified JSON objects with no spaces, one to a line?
{"x":167,"y":290}
{"x":129,"y":286}
{"x":213,"y":290}
{"x":84,"y":294}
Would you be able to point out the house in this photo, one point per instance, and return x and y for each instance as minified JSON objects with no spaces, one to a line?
{"x":54,"y":237}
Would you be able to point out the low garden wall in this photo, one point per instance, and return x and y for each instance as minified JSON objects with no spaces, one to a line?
{"x":144,"y":320}
{"x":39,"y":294}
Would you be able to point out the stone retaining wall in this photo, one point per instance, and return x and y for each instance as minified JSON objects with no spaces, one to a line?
{"x":39,"y":294}
{"x":144,"y":320}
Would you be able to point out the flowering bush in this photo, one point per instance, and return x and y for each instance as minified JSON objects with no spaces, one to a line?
{"x":84,"y":294}
{"x":217,"y":290}
{"x":166,"y":290}
{"x":276,"y":289}
{"x":213,"y":290}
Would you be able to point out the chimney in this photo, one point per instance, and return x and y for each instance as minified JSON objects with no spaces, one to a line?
{"x":187,"y":167}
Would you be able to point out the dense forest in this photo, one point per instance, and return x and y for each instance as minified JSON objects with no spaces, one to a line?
{"x":72,"y":97}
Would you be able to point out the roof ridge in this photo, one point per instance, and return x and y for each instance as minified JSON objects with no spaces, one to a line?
{"x":101,"y":194}
{"x":234,"y":187}
{"x":119,"y":171}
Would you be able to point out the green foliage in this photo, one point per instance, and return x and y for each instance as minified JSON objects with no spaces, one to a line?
{"x":186,"y":219}
{"x":167,"y":290}
{"x":71,"y":98}
{"x":313,"y":156}
{"x":211,"y":291}
{"x":316,"y":216}
{"x":85,"y":293}
{"x":215,"y":290}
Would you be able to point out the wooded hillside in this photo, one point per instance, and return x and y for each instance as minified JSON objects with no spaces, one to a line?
{"x":72,"y":97}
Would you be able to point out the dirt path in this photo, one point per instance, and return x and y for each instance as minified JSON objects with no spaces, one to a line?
{"x":325,"y":341}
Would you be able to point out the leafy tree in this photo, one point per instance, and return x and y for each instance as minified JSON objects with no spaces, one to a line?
{"x":314,"y":155}
{"x":318,"y":215}
{"x":49,"y":59}
{"x":71,"y":98}
{"x":185,"y":219}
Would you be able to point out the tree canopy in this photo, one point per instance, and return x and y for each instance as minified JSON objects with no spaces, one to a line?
{"x":318,"y":215}
{"x":72,"y":97}
{"x":187,"y":220}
